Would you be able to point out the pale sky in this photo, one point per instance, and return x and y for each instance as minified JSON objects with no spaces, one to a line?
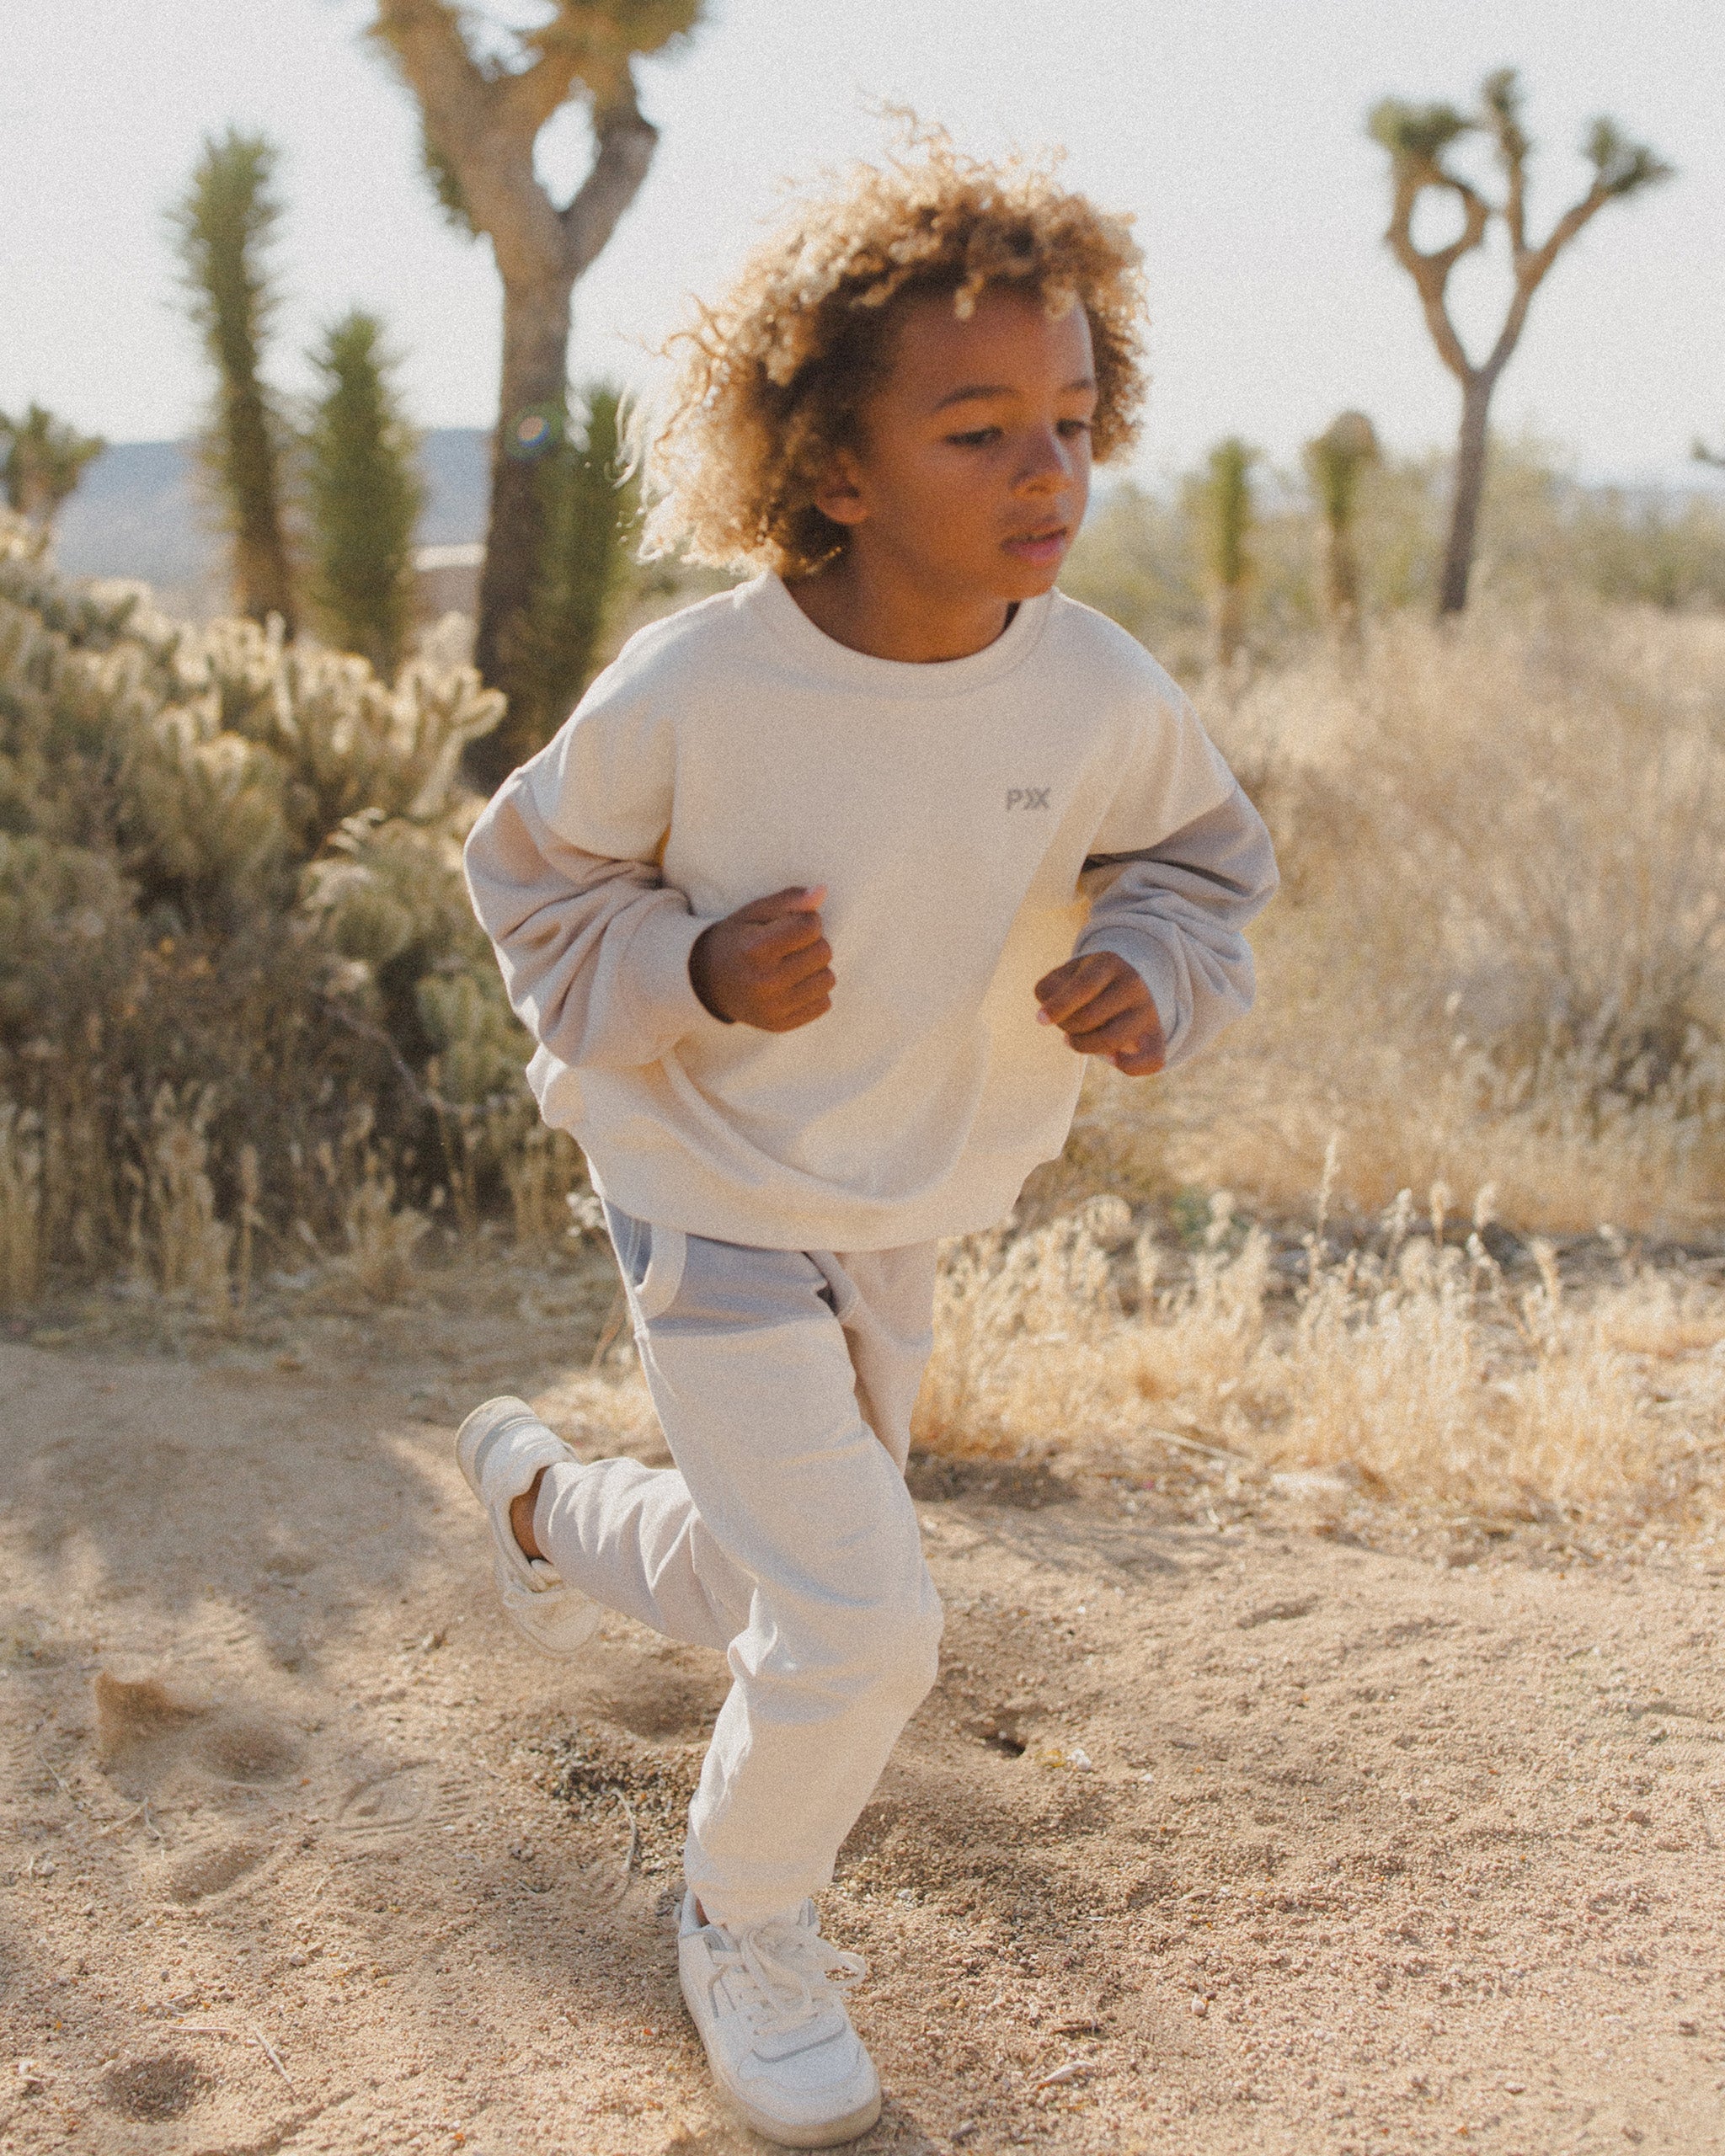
{"x":1232,"y":129}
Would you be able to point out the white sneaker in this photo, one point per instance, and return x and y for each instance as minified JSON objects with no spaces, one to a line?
{"x":501,"y":1447}
{"x":778,"y":2039}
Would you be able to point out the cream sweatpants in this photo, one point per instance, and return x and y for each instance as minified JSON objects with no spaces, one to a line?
{"x":784,"y":1535}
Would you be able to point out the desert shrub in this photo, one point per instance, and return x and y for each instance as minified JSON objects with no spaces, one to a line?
{"x":1499,"y":955}
{"x":1141,"y":559}
{"x":233,"y":934}
{"x":585,"y":578}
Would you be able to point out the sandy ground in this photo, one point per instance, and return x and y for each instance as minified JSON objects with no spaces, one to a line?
{"x":1218,"y":1835}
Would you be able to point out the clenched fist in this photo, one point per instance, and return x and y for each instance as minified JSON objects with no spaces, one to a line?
{"x":1103,"y":1008}
{"x":768,"y":965}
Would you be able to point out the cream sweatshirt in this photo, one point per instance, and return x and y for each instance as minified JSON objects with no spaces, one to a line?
{"x":976,"y":822}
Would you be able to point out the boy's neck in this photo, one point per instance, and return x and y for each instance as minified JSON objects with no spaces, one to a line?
{"x":887,"y":617}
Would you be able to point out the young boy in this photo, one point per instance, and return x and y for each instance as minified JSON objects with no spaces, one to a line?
{"x":807,"y":906}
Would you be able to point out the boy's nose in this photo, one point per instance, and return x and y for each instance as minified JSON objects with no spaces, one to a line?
{"x":1048,"y":461}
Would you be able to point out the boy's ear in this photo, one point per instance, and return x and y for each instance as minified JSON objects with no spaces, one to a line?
{"x":839,"y":494}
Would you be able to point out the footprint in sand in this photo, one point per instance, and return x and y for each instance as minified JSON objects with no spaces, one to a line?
{"x":386,"y":1805}
{"x":161,"y":2087}
{"x":218,"y":1870}
{"x":144,"y":1736}
{"x":155,"y":1746}
{"x":179,"y":1755}
{"x":660,"y":1704}
{"x":605,"y":1876}
{"x":247,"y":1752}
{"x":1696,"y":1768}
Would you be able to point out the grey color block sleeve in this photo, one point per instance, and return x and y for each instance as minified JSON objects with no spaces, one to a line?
{"x":1177,"y":913}
{"x":594,"y":953}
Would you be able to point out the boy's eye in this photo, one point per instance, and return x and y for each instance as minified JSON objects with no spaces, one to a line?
{"x":1074,"y":427}
{"x":974,"y":438}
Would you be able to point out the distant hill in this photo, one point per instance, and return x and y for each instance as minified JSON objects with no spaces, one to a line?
{"x":142,"y":510}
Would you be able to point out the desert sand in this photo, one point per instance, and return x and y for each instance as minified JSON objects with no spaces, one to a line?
{"x":1228,"y":1828}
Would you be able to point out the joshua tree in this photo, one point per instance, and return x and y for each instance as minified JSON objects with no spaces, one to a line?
{"x":587,"y":512}
{"x":365,"y":495}
{"x":223,"y":228}
{"x":1226,"y":504}
{"x":1334,"y":462}
{"x":44,"y":460}
{"x":481,"y":115}
{"x":1418,"y":138}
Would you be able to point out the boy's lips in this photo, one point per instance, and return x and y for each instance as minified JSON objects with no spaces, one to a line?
{"x":1046,"y":545}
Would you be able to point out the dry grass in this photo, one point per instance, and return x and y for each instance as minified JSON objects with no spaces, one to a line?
{"x":1498,"y":960}
{"x":180,"y":1244}
{"x":20,"y":1206}
{"x":1414,"y":1362}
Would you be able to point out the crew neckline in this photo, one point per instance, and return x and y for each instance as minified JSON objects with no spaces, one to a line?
{"x":894,"y":677}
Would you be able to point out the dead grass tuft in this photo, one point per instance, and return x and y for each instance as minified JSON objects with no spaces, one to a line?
{"x":20,"y":1206}
{"x":1415,"y":1363}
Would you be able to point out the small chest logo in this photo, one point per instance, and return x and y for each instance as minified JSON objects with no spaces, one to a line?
{"x":1028,"y":796}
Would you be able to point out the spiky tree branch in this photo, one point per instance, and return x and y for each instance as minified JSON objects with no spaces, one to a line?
{"x":1418,"y":138}
{"x":481,"y":117}
{"x":44,"y":460}
{"x":364,"y":494}
{"x":223,"y":227}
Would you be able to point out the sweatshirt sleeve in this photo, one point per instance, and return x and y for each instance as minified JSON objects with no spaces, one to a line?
{"x":1182,"y":863}
{"x":593,"y":945}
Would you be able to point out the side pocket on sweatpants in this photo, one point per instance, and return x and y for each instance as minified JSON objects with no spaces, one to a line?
{"x":651,"y":1260}
{"x":657,"y":1289}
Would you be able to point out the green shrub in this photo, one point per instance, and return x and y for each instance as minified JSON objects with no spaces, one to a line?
{"x":232,"y":913}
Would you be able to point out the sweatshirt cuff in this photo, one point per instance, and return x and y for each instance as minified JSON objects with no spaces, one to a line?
{"x":1151,"y":960}
{"x":659,"y":972}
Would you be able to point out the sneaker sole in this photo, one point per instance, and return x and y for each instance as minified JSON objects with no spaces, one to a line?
{"x":490,"y":1417}
{"x":825,"y":2133}
{"x":828,"y":2136}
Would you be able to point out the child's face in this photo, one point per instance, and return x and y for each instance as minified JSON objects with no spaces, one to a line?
{"x":974,"y":468}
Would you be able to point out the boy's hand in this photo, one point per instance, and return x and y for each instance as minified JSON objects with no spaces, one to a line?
{"x":1103,"y":1008}
{"x":768,"y":965}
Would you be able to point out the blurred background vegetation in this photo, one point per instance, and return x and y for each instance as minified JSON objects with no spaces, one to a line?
{"x":1145,"y":556}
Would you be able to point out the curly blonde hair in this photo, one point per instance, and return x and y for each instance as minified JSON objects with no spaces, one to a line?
{"x":769,"y":383}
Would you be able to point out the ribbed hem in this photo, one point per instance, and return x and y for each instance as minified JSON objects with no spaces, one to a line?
{"x":1150,"y":961}
{"x":685,"y":1192}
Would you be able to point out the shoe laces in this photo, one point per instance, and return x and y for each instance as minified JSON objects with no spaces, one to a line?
{"x":788,"y":1973}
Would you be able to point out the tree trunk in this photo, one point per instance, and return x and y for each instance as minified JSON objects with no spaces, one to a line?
{"x":263,"y":574}
{"x":1470,"y":483}
{"x":536,"y":342}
